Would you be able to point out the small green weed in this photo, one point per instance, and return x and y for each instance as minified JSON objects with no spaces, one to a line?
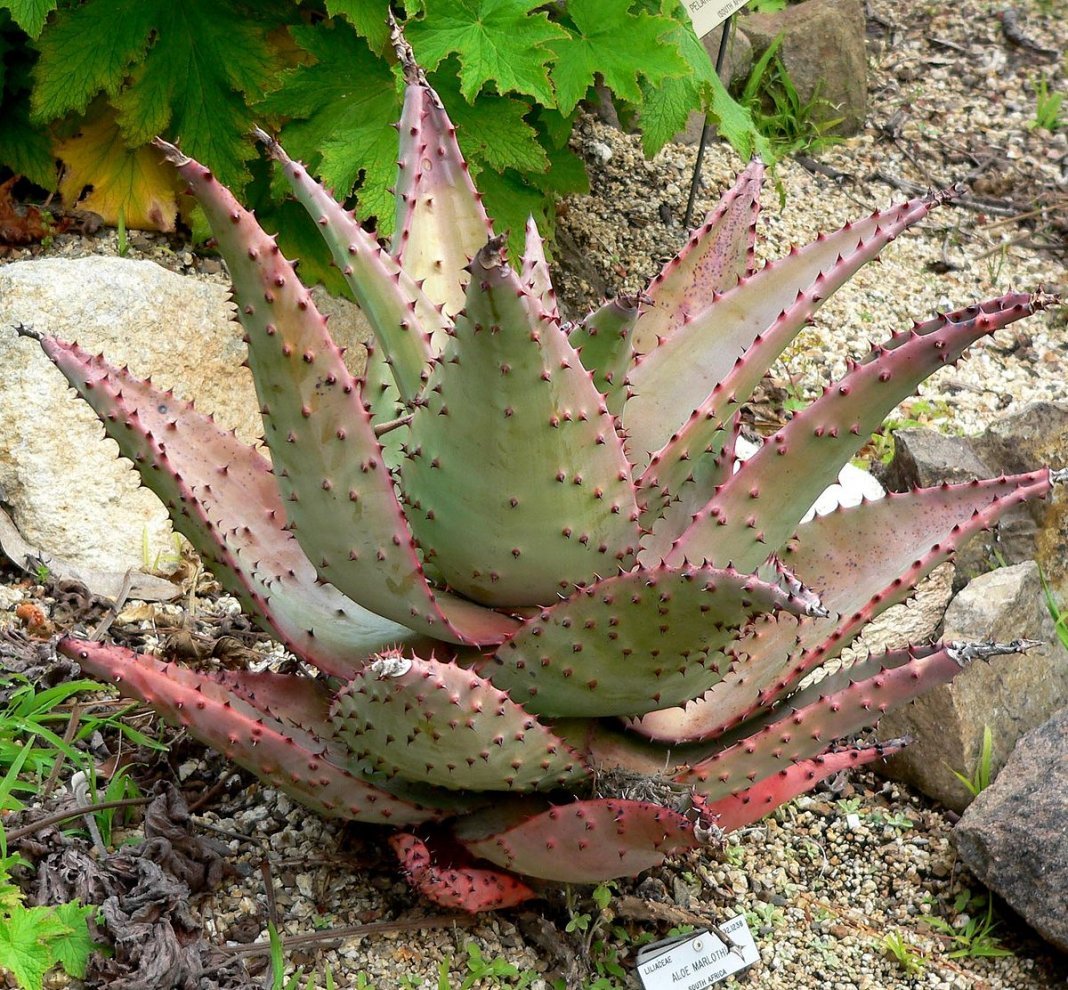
{"x":848,"y":806}
{"x":278,"y":966}
{"x":1048,"y":106}
{"x":908,"y":957}
{"x":973,"y":937}
{"x":790,"y":124}
{"x":120,"y":232}
{"x":979,"y":780}
{"x":916,"y":413}
{"x":1060,"y":619}
{"x":889,"y":820}
{"x":498,"y":970}
{"x":763,"y":915}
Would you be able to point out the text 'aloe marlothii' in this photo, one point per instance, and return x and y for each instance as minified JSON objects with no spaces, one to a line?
{"x":555,"y":623}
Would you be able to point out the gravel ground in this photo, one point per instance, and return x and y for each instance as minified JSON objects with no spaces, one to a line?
{"x":827,"y":879}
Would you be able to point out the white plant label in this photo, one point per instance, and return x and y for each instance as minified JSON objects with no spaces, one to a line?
{"x":697,"y":960}
{"x":708,"y":14}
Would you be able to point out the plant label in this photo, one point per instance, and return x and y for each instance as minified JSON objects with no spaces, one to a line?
{"x":697,"y":960}
{"x":707,"y":14}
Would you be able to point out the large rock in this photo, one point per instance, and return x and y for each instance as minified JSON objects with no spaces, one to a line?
{"x":1011,"y":694}
{"x":68,"y":493}
{"x":823,"y":50}
{"x":1014,"y":837}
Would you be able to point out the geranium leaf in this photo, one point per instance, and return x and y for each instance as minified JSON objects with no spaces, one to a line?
{"x":30,"y":15}
{"x":367,"y":16}
{"x":89,"y":49}
{"x":503,"y":41}
{"x":71,"y":950}
{"x":26,"y":149}
{"x":24,"y":948}
{"x":134,"y":184}
{"x":193,"y":65}
{"x":617,"y":45}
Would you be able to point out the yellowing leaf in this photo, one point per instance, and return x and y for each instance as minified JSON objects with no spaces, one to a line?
{"x":106,"y":177}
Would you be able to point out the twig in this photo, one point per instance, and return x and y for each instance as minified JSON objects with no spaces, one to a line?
{"x":383,"y":428}
{"x":62,"y":816}
{"x":354,"y":931}
{"x":105,"y":623}
{"x":967,"y":202}
{"x":821,"y":168}
{"x":210,"y":793}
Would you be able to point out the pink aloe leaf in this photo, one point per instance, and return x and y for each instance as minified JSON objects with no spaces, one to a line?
{"x":692,"y":382}
{"x":405,"y":321}
{"x":858,"y":573}
{"x":441,"y":222}
{"x":582,"y":842}
{"x":466,"y":888}
{"x":753,"y":803}
{"x":717,"y":255}
{"x":758,"y":508}
{"x":296,"y":760}
{"x":222,"y":496}
{"x":808,"y":721}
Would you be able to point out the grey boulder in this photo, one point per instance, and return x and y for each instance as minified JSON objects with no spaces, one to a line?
{"x":1014,"y":836}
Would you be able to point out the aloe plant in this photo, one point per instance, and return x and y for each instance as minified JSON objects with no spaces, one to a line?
{"x":560,"y":633}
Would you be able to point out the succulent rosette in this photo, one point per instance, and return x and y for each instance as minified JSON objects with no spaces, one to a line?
{"x":560,"y":630}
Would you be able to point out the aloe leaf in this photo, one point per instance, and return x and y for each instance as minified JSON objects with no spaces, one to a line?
{"x":464,"y":887}
{"x":635,"y":642}
{"x":583,"y":842}
{"x":714,"y":361}
{"x":717,"y":255}
{"x":758,"y":508}
{"x":245,"y":733}
{"x":847,"y":557}
{"x":747,"y":806}
{"x":516,"y":483}
{"x":404,"y":319}
{"x":825,"y":712}
{"x":444,"y":725}
{"x":603,"y":341}
{"x":534,"y":273}
{"x":441,"y":222}
{"x":222,"y":496}
{"x":328,"y":462}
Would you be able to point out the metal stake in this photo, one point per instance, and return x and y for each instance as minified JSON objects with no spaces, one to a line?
{"x":707,"y":129}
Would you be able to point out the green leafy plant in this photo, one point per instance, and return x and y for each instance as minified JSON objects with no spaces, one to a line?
{"x":973,"y":934}
{"x":91,"y":82}
{"x":908,"y":957}
{"x":1048,"y":107}
{"x":36,"y":940}
{"x":980,"y":777}
{"x":30,"y":718}
{"x":278,"y":965}
{"x":557,"y":628}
